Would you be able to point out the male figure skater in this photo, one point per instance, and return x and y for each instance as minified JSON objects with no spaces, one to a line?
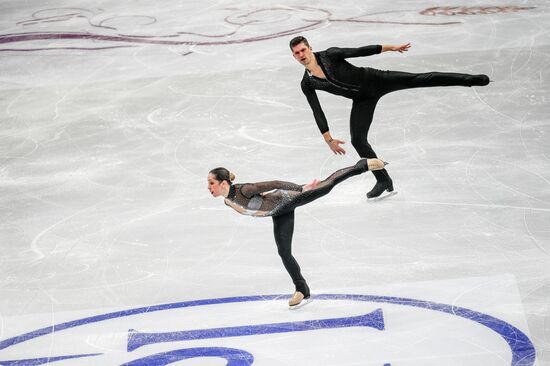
{"x":329,"y":71}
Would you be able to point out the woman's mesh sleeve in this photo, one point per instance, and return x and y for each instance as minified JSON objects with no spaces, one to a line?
{"x":252,"y":189}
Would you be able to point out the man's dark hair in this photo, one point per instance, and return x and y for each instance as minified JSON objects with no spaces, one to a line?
{"x":297,"y":40}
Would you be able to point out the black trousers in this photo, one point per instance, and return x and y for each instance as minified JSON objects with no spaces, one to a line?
{"x":379,"y":83}
{"x":283,"y":220}
{"x":283,"y":229}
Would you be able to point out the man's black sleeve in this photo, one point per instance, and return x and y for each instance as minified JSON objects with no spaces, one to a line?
{"x":313,"y":101}
{"x":341,"y":53}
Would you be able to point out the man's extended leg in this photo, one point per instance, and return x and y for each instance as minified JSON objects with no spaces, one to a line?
{"x":390,"y":81}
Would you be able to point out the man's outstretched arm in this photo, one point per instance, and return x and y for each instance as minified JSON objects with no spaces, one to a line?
{"x":337,"y":52}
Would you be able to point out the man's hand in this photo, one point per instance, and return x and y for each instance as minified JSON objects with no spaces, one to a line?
{"x":334,"y":145}
{"x":402,"y":48}
{"x":399,"y":48}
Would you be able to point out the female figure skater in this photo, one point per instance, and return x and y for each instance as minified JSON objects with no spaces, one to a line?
{"x":330,"y":71}
{"x":279,"y":199}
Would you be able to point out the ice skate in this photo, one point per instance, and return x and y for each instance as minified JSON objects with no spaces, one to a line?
{"x":381,"y":187}
{"x":479,"y":80}
{"x":298,"y":300}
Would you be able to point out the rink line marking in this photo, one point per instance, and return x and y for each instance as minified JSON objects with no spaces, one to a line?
{"x":479,"y":205}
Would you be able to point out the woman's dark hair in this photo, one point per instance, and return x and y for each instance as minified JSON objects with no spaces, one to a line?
{"x":222,"y":174}
{"x":297,"y":40}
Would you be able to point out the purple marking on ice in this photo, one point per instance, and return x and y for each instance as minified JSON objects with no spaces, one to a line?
{"x":61,"y":48}
{"x":235,"y":19}
{"x":374,"y":320}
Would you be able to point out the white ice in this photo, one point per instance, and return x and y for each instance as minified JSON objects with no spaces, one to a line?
{"x":113,"y":112}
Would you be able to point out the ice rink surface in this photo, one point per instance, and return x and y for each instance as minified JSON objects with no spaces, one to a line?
{"x":113,"y":251}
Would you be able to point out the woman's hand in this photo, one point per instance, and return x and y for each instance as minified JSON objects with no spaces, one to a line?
{"x":310,"y":186}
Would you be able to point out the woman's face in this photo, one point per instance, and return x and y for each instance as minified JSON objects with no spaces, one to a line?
{"x":214,"y":185}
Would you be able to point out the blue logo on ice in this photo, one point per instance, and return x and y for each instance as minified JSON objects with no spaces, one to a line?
{"x":523,"y":352}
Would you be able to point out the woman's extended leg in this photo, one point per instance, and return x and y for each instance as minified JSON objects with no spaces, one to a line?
{"x":324,"y":187}
{"x":283,"y":228}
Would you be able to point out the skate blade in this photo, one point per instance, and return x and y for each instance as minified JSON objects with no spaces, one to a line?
{"x":303,"y":303}
{"x":383,"y":196}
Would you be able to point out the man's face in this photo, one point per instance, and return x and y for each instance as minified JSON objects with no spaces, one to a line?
{"x":302,"y":53}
